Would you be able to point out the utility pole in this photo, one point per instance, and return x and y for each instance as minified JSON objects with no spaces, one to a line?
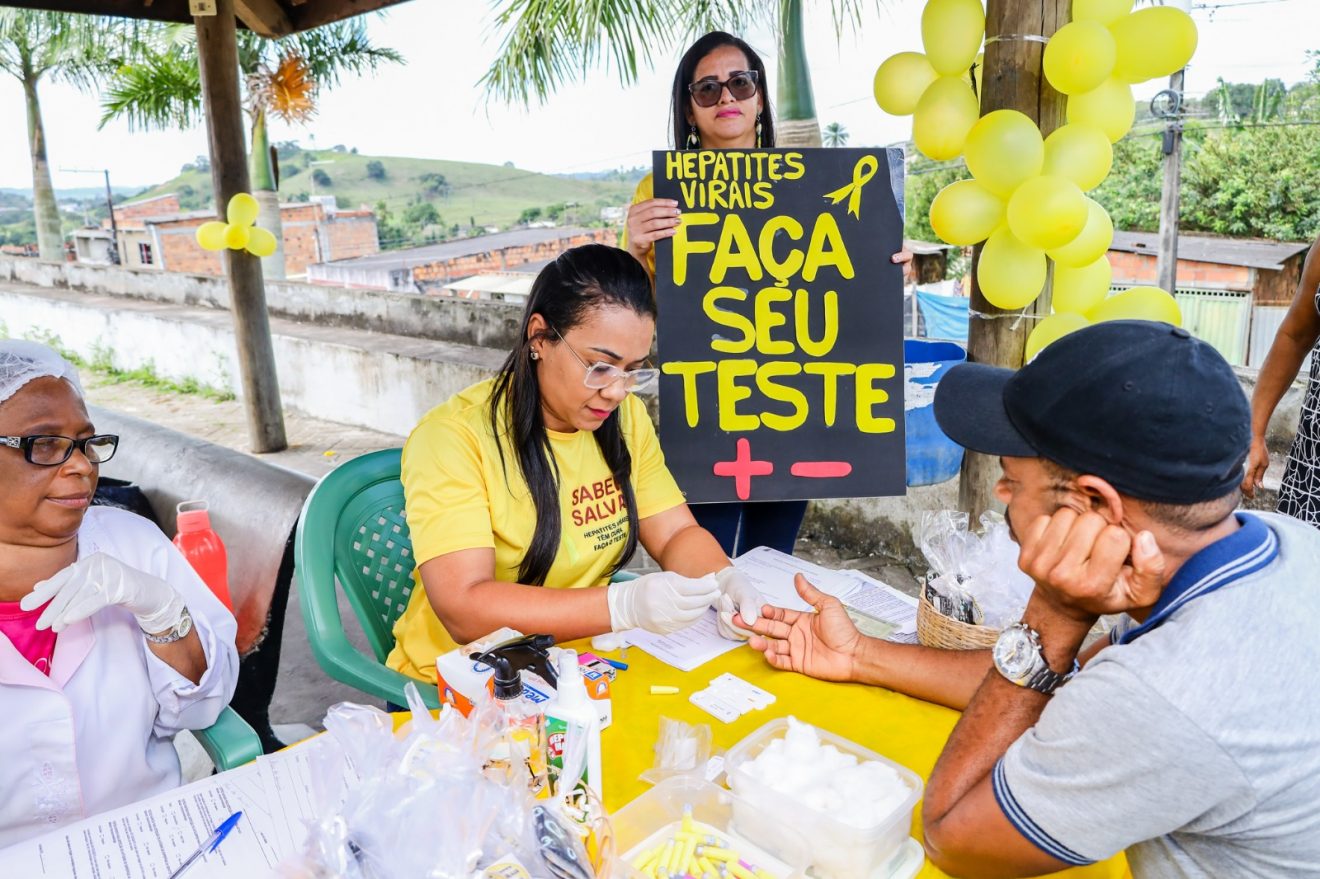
{"x":1015,"y":35}
{"x":1166,"y":265}
{"x":110,"y":206}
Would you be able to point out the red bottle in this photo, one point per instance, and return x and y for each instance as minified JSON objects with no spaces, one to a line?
{"x":202,"y":548}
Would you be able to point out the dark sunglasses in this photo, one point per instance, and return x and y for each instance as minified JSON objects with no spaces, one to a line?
{"x":706,"y":92}
{"x":52,"y":451}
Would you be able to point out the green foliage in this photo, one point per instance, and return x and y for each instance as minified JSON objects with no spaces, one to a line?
{"x":834,"y":135}
{"x":529,"y":215}
{"x":434,"y":184}
{"x":421,"y":215}
{"x":1131,"y":192}
{"x":1255,"y":182}
{"x":376,"y":170}
{"x":320,"y":178}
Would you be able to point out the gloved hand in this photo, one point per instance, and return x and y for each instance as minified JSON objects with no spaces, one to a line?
{"x":98,"y":581}
{"x":737,"y":595}
{"x":661,"y":602}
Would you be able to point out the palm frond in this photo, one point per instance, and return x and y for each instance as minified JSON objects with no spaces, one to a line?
{"x":337,"y":50}
{"x":160,"y":91}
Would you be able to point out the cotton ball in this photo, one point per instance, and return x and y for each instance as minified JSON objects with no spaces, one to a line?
{"x":801,"y":740}
{"x":814,"y":799}
{"x":863,"y":816}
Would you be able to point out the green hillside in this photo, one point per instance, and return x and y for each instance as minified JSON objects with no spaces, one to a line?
{"x":459,"y":192}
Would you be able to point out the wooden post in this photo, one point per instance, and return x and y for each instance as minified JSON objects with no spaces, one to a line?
{"x":1015,"y":32}
{"x":217,"y":53}
{"x":1166,"y":268}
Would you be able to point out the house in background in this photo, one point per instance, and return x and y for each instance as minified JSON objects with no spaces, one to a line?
{"x":155,"y":234}
{"x":1233,"y":292}
{"x":433,"y":268}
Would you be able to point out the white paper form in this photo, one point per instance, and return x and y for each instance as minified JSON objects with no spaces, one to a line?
{"x":772,"y":572}
{"x":687,"y":648}
{"x":879,"y":609}
{"x":149,"y":839}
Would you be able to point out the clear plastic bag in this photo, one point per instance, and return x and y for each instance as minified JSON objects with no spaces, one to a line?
{"x":680,"y":749}
{"x":974,"y":578}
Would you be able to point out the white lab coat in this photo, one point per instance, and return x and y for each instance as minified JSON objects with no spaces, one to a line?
{"x":96,"y":733}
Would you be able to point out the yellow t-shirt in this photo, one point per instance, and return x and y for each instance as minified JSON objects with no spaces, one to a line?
{"x":458,"y":496}
{"x":645,"y":191}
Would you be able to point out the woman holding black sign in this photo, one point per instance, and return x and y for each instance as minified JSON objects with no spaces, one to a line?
{"x":718,"y":102}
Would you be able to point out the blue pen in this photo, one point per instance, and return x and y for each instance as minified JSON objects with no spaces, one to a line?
{"x":614,"y":663}
{"x":211,"y":844}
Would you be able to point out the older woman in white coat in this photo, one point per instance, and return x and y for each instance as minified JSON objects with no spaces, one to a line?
{"x":109,"y":642}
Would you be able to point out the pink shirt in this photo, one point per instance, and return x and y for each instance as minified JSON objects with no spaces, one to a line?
{"x":20,"y":627}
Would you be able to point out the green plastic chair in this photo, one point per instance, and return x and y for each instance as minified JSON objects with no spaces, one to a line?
{"x":353,"y":536}
{"x":230,"y":741}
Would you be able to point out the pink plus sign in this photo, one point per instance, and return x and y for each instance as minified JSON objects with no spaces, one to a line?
{"x":743,"y":468}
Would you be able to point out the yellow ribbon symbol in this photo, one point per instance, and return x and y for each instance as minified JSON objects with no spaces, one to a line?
{"x":863,"y":171}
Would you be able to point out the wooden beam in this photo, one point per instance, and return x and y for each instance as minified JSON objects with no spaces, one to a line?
{"x":217,"y":53}
{"x":264,"y":17}
{"x":1012,"y":80}
{"x":310,"y":15}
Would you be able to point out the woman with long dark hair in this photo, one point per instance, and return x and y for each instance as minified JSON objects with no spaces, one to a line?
{"x":719,"y":101}
{"x":549,"y":475}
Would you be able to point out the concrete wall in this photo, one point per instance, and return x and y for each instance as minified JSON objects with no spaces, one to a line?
{"x":488,"y":324}
{"x":378,"y":381}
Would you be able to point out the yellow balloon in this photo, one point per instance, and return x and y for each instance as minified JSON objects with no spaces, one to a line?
{"x":1091,"y":243}
{"x":1108,"y":107}
{"x":900,"y":80}
{"x":260,"y":242}
{"x":1003,"y":149}
{"x":1139,"y":303}
{"x":1009,"y":273}
{"x":1081,"y":289}
{"x":243,"y":210}
{"x":951,"y":32}
{"x":946,"y":112}
{"x":211,"y":236}
{"x":965,"y":213}
{"x":1103,"y":11}
{"x":1079,"y":57}
{"x":1152,"y":43}
{"x":236,"y":237}
{"x":1047,"y":212}
{"x":1052,"y":329}
{"x":1081,"y":153}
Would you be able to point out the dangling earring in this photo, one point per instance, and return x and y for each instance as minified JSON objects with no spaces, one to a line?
{"x":534,"y":355}
{"x":758,"y":131}
{"x":693,"y":141}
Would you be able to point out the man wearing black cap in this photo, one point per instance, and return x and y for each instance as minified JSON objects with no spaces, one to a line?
{"x":1191,"y":737}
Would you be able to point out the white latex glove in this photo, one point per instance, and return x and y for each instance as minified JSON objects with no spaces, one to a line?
{"x":737,"y":595}
{"x":661,"y":602}
{"x":98,"y":581}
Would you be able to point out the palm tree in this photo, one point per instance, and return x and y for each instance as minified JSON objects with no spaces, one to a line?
{"x":163,"y":89}
{"x":548,"y":44}
{"x":75,"y":49}
{"x":835,"y":135}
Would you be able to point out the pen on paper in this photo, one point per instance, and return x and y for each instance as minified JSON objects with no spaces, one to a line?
{"x":209,"y":845}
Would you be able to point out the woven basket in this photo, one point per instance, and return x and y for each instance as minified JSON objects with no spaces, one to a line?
{"x":934,"y":629}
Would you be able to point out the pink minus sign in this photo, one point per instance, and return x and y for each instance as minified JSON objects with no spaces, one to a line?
{"x":821,"y":469}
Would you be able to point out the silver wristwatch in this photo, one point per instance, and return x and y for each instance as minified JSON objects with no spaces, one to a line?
{"x":177,"y":633}
{"x":1018,"y":658}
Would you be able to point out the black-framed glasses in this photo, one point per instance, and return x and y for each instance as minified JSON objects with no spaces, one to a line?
{"x":45,"y":450}
{"x":601,"y":375}
{"x":741,"y":84}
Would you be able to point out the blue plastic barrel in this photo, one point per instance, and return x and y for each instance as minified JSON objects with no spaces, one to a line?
{"x":931,"y":456}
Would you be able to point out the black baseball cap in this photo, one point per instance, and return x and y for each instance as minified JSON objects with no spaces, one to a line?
{"x":1153,"y":411}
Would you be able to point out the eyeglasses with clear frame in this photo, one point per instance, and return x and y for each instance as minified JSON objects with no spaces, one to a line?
{"x":601,"y":375}
{"x":46,"y":450}
{"x":741,"y":84}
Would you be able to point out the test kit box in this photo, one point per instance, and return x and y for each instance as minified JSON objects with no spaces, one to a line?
{"x":460,"y":679}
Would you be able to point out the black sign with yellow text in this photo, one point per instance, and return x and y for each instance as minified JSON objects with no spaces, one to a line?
{"x":781,"y":324}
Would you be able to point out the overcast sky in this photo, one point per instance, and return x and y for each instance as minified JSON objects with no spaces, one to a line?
{"x":433,"y":108}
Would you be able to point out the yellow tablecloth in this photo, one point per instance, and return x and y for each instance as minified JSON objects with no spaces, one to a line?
{"x":908,"y":731}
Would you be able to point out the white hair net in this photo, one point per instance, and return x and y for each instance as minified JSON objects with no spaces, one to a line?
{"x":22,"y":361}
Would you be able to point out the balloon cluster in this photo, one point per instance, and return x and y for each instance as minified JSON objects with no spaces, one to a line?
{"x":241,"y":232}
{"x":1026,"y":199}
